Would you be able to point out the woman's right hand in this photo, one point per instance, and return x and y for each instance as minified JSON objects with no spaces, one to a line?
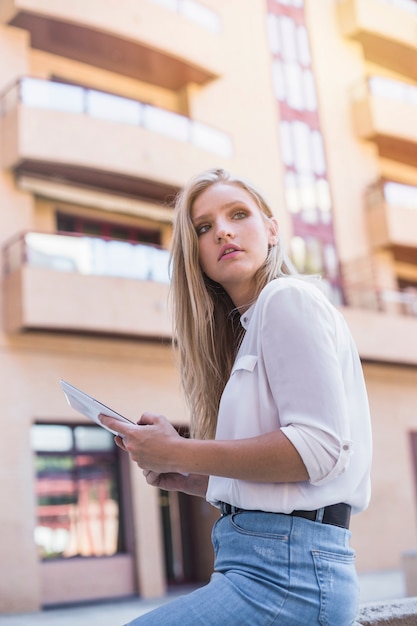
{"x":193,"y":484}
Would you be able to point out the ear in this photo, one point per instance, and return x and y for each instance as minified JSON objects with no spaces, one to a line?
{"x":273,"y":231}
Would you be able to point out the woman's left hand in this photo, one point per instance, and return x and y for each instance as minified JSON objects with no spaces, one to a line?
{"x":150,"y":443}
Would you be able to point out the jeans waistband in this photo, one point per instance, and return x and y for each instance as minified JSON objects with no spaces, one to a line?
{"x":335,"y":514}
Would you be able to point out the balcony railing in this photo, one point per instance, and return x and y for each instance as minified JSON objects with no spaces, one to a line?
{"x":393,"y":194}
{"x":387,"y":88}
{"x":87,"y":255}
{"x":56,"y":96}
{"x":363,"y":291}
{"x":405,"y":5}
{"x":195,"y":12}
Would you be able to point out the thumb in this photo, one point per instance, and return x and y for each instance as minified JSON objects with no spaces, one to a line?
{"x":148,"y":419}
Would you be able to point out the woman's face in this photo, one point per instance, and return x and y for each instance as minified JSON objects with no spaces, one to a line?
{"x":234,"y":237}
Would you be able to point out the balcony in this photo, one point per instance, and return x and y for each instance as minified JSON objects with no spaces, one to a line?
{"x":134,"y":39}
{"x":384,"y":111}
{"x":382,"y":319}
{"x":383,"y":337}
{"x":386,"y":29}
{"x":70,"y":283}
{"x":391,"y":217}
{"x":102,"y":140}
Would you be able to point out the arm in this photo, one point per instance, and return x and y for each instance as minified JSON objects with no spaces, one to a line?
{"x":155,"y":445}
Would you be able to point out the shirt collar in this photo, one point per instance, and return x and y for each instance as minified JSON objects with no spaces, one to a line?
{"x":246,"y":317}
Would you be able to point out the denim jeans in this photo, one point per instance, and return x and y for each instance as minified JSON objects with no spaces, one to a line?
{"x":270,"y":569}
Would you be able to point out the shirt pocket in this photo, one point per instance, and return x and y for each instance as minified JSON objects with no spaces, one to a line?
{"x":246,"y":362}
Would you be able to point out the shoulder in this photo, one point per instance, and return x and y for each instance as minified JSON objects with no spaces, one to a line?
{"x":296,"y":302}
{"x":293,"y":290}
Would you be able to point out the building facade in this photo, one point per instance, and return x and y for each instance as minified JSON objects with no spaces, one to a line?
{"x":107,"y":108}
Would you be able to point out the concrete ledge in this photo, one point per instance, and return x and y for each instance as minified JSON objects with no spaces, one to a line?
{"x":393,"y":613}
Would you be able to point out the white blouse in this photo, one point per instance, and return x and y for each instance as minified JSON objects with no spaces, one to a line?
{"x":298,"y":369}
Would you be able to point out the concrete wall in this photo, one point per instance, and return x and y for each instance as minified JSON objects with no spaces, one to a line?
{"x":394,"y":613}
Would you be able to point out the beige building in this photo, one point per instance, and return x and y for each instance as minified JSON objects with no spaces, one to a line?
{"x":107,"y":108}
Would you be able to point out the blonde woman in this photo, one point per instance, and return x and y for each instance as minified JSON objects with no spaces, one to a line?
{"x":281,"y":439}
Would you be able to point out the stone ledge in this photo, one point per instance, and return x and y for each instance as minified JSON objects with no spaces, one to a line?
{"x":393,"y":613}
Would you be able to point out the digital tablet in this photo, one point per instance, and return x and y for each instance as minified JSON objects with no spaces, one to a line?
{"x":89,"y":406}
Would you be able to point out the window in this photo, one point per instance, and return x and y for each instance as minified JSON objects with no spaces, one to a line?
{"x":77,"y":490}
{"x":77,"y":224}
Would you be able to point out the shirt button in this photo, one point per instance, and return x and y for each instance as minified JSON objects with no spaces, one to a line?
{"x":346,"y":447}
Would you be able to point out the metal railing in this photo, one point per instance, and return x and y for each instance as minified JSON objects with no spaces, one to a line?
{"x":57,"y":96}
{"x":362,"y":290}
{"x":86,"y":255}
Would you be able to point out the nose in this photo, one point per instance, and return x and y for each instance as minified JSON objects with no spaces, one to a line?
{"x":224,"y":232}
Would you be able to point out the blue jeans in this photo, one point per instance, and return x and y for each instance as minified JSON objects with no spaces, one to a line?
{"x":270,"y":569}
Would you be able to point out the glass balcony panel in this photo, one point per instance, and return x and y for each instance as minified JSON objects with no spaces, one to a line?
{"x":194,"y":12}
{"x":405,"y":5}
{"x":49,"y":95}
{"x":200,"y":14}
{"x":159,"y":265}
{"x":172,"y":5}
{"x":390,"y":89}
{"x":400,"y":195}
{"x":166,"y":123}
{"x":114,"y":108}
{"x":211,"y":139}
{"x":58,"y":252}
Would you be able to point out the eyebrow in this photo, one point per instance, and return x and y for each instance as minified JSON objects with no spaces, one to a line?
{"x":228,"y":205}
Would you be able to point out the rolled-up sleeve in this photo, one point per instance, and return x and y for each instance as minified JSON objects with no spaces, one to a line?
{"x":300,"y":353}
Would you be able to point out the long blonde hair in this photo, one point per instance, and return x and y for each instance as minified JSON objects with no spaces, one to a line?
{"x":206,"y":325}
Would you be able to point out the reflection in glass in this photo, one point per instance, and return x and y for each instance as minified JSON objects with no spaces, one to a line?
{"x":324,"y":201}
{"x":273,"y":33}
{"x":291,"y":192}
{"x":287,"y":151}
{"x":298,"y":253}
{"x":77,"y":491}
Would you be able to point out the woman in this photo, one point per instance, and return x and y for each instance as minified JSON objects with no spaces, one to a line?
{"x":280,"y":423}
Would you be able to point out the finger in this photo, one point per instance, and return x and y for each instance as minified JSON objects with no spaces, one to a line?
{"x":147,"y":418}
{"x":115,"y":424}
{"x":119,"y":442}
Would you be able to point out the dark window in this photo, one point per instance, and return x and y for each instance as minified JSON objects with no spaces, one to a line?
{"x":76,"y":224}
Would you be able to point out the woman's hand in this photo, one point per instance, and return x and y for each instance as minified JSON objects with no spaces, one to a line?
{"x":152,"y":443}
{"x":193,"y":484}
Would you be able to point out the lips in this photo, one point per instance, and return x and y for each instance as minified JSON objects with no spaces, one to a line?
{"x":228,"y":248}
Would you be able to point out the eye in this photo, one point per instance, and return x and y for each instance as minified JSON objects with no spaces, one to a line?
{"x":201,"y":229}
{"x":240,"y":214}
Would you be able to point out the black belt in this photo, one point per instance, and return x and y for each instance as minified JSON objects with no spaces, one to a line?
{"x":335,"y":514}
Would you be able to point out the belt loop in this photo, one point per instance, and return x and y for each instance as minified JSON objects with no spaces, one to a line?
{"x":320,"y":514}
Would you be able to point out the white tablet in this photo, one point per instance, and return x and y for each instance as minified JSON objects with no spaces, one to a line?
{"x":90,"y":407}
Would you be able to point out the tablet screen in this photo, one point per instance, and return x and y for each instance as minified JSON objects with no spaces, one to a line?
{"x":89,"y":406}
